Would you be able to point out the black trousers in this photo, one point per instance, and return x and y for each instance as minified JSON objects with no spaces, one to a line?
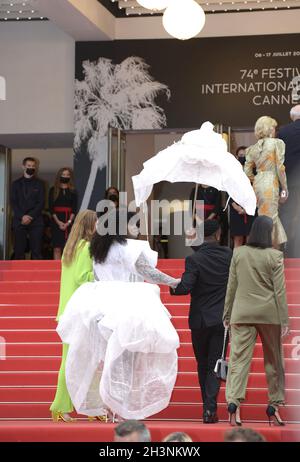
{"x":290,"y":216}
{"x":208,"y":345}
{"x":34,"y":232}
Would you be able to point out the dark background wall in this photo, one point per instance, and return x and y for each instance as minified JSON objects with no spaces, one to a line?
{"x":186,"y":66}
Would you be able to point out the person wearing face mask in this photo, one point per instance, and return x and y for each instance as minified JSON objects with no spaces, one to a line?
{"x":112,"y":194}
{"x":27,"y":200}
{"x":62,"y":205}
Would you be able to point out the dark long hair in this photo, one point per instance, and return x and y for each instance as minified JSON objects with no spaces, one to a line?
{"x":100,"y":243}
{"x":112,"y":194}
{"x":261,"y":232}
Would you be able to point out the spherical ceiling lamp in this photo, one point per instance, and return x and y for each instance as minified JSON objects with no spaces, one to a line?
{"x":183,"y":19}
{"x":155,"y":5}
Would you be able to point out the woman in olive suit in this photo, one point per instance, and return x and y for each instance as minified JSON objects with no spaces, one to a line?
{"x":256,"y":305}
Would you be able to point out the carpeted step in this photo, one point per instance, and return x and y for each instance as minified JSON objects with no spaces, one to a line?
{"x":185,"y":349}
{"x":175,"y":309}
{"x":49,"y":335}
{"x":34,"y":349}
{"x":49,"y":322}
{"x":83,"y":431}
{"x":181,"y":322}
{"x":179,"y":395}
{"x":53,"y":298}
{"x":191,"y":411}
{"x":29,"y":296}
{"x":184,"y":379}
{"x":29,"y":287}
{"x":22,"y":309}
{"x":20,"y":336}
{"x":28,"y":310}
{"x":18,"y":297}
{"x":44,"y":281}
{"x":184,"y":364}
{"x":292,"y":262}
{"x":35,"y":275}
{"x":27,"y":322}
{"x":30,"y":265}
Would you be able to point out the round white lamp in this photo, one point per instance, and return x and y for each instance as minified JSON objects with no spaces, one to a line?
{"x":183,"y":19}
{"x":155,"y":5}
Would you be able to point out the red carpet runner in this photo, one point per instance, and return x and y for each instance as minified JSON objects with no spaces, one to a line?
{"x":28,"y":305}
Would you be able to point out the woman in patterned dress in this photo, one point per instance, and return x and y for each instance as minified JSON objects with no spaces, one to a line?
{"x":267,"y":156}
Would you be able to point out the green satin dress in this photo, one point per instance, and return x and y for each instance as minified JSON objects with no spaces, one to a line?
{"x":72,"y":277}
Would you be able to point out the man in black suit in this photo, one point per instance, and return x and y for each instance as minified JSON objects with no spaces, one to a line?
{"x":290,"y":211}
{"x":205,"y":278}
{"x":27,"y":199}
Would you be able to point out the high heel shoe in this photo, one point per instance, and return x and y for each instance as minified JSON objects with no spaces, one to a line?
{"x":272,"y":411}
{"x":112,"y":417}
{"x":101,"y":418}
{"x":232,"y":408}
{"x":57,"y":416}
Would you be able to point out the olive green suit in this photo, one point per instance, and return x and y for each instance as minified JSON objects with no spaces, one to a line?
{"x":255,"y":304}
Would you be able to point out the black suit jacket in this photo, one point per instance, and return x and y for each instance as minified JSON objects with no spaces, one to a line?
{"x":205,"y":278}
{"x":28,"y":200}
{"x":290,"y":134}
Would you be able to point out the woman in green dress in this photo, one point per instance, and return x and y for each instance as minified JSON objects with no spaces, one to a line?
{"x":77,"y":268}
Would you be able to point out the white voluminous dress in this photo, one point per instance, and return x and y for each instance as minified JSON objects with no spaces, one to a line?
{"x":122,"y":345}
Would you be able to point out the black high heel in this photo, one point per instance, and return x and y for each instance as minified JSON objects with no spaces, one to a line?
{"x":271,"y":412}
{"x":232,"y":408}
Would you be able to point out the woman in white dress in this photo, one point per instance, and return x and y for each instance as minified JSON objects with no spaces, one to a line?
{"x":122,"y":346}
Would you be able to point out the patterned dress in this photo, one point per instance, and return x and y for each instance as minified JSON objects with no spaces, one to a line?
{"x":267,"y":156}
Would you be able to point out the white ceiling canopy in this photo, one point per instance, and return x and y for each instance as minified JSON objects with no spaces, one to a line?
{"x":132,"y":7}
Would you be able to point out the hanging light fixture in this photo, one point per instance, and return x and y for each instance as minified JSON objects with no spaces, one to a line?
{"x":154,"y":5}
{"x":183,"y":19}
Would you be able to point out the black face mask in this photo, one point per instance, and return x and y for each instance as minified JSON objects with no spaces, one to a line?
{"x":113,"y":198}
{"x":242,"y":160}
{"x":64,"y":180}
{"x":30,"y":171}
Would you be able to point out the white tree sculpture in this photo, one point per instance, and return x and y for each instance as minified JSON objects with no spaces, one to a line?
{"x":122,"y":96}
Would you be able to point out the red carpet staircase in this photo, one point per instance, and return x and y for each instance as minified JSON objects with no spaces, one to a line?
{"x":29,"y":292}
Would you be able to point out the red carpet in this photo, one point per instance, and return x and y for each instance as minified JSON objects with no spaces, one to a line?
{"x":28,"y":305}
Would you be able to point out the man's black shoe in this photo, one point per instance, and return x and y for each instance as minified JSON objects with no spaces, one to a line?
{"x":210,"y":417}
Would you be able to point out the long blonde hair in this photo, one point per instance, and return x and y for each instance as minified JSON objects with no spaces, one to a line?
{"x":83,"y":229}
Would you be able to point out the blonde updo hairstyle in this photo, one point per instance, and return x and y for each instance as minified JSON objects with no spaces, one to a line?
{"x":264,"y":127}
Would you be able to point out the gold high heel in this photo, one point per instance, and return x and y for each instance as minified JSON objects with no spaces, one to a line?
{"x":101,"y":418}
{"x":57,"y":416}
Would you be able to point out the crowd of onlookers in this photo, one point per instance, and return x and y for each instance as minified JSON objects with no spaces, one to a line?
{"x":134,"y":431}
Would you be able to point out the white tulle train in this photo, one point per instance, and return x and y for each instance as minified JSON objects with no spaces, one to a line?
{"x":122,"y":349}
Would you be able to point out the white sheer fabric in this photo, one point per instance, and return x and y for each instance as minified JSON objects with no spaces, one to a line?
{"x":200,"y":157}
{"x":122,"y":345}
